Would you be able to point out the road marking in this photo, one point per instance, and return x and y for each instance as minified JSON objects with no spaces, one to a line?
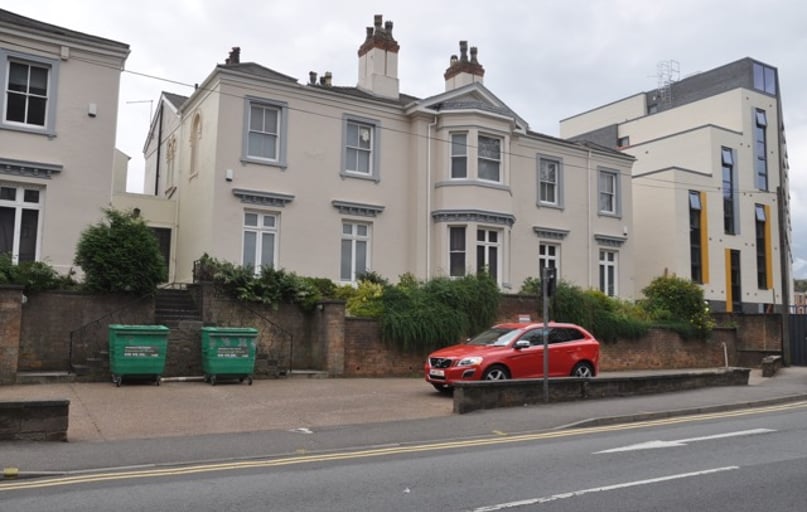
{"x":575,"y":494}
{"x":652,"y":445}
{"x":87,"y":478}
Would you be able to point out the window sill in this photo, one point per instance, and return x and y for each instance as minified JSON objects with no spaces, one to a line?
{"x":32,"y":129}
{"x":266,"y":163}
{"x":472,"y":183}
{"x":359,"y":176}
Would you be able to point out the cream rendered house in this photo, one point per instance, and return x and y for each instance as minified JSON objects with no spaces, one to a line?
{"x":58,"y":116}
{"x":330,"y":181}
{"x":710,"y":182}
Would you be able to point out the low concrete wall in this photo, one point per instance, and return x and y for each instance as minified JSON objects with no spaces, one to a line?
{"x":472,"y":396}
{"x":44,"y":420}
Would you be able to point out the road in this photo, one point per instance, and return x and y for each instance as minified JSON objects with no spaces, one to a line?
{"x":753,"y":459}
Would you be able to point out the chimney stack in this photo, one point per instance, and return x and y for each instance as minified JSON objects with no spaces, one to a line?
{"x":378,"y":60}
{"x":463,"y":71}
{"x":235,"y":56}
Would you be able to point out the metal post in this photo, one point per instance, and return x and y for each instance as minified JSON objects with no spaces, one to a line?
{"x":545,"y":315}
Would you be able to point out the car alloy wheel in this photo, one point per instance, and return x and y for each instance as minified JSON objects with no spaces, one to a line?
{"x":496,"y":372}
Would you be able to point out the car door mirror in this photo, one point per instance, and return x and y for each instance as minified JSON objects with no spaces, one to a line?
{"x":521,"y":344}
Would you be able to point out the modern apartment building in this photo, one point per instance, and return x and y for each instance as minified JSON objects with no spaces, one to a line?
{"x":58,"y":116}
{"x":328,"y":180}
{"x":710,"y":182}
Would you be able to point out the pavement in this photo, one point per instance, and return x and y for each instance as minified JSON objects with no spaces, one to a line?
{"x":184,"y":421}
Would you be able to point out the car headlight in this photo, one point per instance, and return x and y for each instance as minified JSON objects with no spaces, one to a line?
{"x":470,"y":361}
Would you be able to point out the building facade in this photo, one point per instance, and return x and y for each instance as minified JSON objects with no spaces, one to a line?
{"x":58,"y":116}
{"x":332,"y":181}
{"x":710,"y":182}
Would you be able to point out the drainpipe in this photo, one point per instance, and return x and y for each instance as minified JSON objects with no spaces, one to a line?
{"x":588,"y":216}
{"x":429,"y":196}
{"x":159,"y":149}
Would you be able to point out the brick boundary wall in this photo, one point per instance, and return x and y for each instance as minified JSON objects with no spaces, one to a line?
{"x":36,"y":420}
{"x":10,"y":325}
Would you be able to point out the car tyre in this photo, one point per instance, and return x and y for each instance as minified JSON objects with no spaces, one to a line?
{"x":496,"y":372}
{"x":442,"y":388}
{"x":583,"y":370}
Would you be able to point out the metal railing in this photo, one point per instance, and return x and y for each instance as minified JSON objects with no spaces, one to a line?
{"x":91,"y":339}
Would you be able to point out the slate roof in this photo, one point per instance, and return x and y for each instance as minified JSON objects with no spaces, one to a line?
{"x":8,"y":17}
{"x":175,"y":99}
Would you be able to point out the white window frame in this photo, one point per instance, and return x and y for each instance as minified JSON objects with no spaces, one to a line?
{"x":609,"y":272}
{"x":487,"y":245}
{"x":457,"y":250}
{"x":548,"y":256}
{"x":557,"y":186}
{"x":489,"y":158}
{"x":458,"y":153}
{"x":260,"y":230}
{"x":19,"y":204}
{"x":280,"y":133}
{"x":370,"y":147}
{"x":52,"y":67}
{"x":359,"y":233}
{"x":608,"y":177}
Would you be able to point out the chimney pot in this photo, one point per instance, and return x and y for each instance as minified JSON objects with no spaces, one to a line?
{"x":312,"y":77}
{"x":474,"y":51}
{"x":463,"y":51}
{"x":328,"y":79}
{"x":378,"y":20}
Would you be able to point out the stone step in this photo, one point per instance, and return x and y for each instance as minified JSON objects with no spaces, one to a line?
{"x":44,"y":377}
{"x":307,"y":374}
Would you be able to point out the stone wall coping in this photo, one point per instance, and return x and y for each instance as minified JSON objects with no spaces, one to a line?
{"x":29,"y":404}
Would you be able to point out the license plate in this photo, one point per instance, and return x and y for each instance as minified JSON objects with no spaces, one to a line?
{"x":437,"y":373}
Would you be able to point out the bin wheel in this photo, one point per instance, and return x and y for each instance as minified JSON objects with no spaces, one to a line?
{"x":117,"y":381}
{"x":212,"y":380}
{"x":207,"y":378}
{"x":249,"y":381}
{"x":158,"y":381}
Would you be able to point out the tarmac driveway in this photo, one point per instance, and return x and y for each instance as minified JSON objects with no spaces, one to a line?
{"x":103,"y":412}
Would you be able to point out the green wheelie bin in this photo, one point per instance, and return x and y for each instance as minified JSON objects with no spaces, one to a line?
{"x":137,"y":351}
{"x":229,"y":353}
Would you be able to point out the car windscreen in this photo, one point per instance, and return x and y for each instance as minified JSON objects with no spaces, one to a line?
{"x":497,"y":336}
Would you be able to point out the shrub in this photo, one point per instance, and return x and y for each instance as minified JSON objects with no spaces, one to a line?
{"x":425,"y":316}
{"x":120,"y":255}
{"x":34,"y":276}
{"x":271,"y":286}
{"x":607,"y":318}
{"x":678,"y":303}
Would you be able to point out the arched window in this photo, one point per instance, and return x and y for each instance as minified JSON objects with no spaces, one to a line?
{"x":196,"y":135}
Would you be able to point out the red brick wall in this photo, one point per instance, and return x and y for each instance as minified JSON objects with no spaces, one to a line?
{"x":367,"y":356}
{"x":511,"y":307}
{"x":49,"y":317}
{"x":666,"y":349}
{"x":10,"y":324}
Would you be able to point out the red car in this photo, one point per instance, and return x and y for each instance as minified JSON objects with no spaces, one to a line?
{"x":515,"y":351}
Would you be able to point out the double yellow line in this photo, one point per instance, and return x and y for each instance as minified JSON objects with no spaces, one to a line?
{"x":500,"y":439}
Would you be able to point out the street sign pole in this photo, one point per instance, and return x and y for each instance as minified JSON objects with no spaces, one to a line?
{"x":545,"y":315}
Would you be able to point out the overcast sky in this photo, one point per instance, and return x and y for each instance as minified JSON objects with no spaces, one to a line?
{"x":547,"y":59}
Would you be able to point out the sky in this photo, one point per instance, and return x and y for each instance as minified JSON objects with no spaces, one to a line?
{"x":546,"y":59}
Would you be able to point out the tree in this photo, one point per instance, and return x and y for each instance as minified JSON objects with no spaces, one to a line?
{"x":800,"y":285}
{"x":120,"y":254}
